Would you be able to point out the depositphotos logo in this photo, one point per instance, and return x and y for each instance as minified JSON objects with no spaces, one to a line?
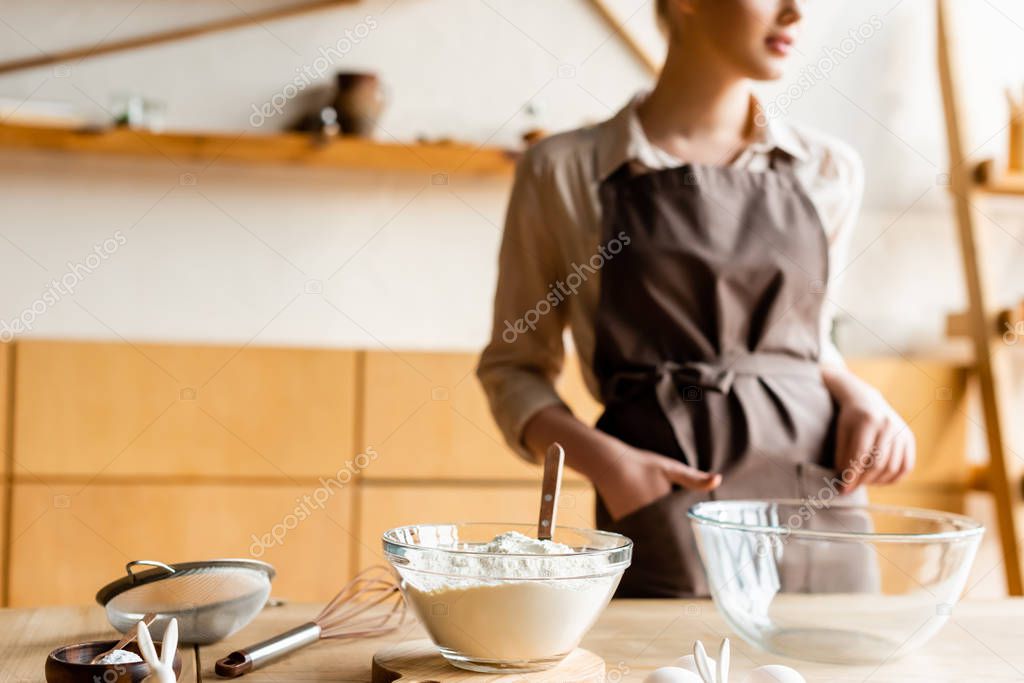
{"x":311,"y":73}
{"x":62,"y":287}
{"x":561,"y":290}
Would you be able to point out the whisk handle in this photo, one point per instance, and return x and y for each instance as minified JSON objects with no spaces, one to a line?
{"x":241,"y":662}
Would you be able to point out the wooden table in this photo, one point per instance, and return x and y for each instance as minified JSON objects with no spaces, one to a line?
{"x":984,"y":642}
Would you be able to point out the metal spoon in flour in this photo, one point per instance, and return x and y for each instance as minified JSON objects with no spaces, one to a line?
{"x":554,"y":462}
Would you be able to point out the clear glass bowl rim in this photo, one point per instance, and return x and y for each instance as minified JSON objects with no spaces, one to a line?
{"x":968,"y":528}
{"x":624,"y":542}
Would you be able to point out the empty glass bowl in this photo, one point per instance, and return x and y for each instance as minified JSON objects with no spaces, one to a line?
{"x":498,"y":612}
{"x":838,"y":583}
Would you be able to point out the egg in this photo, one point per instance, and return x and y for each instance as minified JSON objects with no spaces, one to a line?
{"x":672,"y":674}
{"x":774,"y":673}
{"x":689,"y":662}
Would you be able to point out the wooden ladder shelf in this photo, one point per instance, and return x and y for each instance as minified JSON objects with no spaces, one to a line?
{"x":982,"y":323}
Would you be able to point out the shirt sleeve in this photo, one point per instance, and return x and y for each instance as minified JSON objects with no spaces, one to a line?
{"x":844,"y":167}
{"x":525,"y":354}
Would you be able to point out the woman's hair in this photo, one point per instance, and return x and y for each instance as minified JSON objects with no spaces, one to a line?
{"x":663,"y":20}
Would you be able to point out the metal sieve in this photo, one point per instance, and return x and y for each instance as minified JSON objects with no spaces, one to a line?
{"x":211,"y":599}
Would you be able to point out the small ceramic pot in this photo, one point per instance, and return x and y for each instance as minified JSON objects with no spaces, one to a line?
{"x":71,"y":665}
{"x":359,"y":103}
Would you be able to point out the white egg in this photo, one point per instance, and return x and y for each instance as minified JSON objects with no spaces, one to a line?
{"x":689,"y":662}
{"x":672,"y":674}
{"x":774,"y":673}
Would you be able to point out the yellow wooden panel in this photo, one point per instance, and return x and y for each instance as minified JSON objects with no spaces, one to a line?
{"x":427,"y":416}
{"x":101,"y":408}
{"x":385,"y":506}
{"x":573,"y":391}
{"x":69,"y":540}
{"x":929,"y":498}
{"x":931,"y":397}
{"x":897,"y":564}
{"x":6,"y":355}
{"x":4,"y":599}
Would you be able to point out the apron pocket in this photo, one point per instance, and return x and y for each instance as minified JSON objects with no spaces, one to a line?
{"x":817,"y":483}
{"x":640,"y":512}
{"x":666,"y":563}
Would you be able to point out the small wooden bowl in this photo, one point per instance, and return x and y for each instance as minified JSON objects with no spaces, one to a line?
{"x":71,"y":665}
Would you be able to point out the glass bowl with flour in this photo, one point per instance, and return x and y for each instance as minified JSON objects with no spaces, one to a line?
{"x":495,"y":599}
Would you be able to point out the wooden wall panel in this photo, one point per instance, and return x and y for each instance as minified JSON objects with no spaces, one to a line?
{"x":427,"y":416}
{"x":99,"y":409}
{"x":6,"y":377}
{"x":930,"y":498}
{"x":123,"y":452}
{"x":68,"y":541}
{"x":6,"y":396}
{"x":573,"y":391}
{"x":389,"y":505}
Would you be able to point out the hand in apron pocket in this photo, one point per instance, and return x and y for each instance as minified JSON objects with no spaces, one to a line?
{"x":666,"y":563}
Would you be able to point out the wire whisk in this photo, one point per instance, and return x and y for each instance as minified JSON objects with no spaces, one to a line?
{"x":369,"y":605}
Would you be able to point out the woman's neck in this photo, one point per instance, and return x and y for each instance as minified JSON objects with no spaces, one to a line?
{"x":697,"y":106}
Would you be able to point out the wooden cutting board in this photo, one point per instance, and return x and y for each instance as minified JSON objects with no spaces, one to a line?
{"x":418,"y":661}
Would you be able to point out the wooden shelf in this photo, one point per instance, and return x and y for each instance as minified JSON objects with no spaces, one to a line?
{"x":993,"y":181}
{"x":279,"y":148}
{"x":1008,"y":185}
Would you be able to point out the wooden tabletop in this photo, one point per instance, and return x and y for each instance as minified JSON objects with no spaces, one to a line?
{"x":983,"y":642}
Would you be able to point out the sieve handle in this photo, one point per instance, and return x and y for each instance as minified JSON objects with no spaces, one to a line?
{"x":241,"y":662}
{"x":146,"y":563}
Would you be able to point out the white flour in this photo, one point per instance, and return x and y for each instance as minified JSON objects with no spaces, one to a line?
{"x":515,"y":542}
{"x":512,"y":599}
{"x":120,"y":657}
{"x":509,"y":556}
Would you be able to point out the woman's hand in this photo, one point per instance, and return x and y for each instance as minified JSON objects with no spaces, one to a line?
{"x":626,"y":478}
{"x":636,"y":478}
{"x":873,"y":443}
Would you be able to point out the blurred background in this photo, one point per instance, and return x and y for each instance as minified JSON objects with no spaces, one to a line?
{"x":222,"y":345}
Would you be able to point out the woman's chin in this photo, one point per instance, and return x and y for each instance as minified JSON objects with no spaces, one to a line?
{"x":769,"y":70}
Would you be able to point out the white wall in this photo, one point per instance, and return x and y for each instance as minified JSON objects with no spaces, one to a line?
{"x":229,"y":259}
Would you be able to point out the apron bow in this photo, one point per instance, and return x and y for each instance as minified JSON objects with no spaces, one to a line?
{"x":697,"y":375}
{"x":676,"y":384}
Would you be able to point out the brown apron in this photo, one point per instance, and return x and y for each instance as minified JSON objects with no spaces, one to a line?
{"x":707,"y":347}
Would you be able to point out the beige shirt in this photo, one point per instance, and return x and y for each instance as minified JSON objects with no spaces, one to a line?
{"x":553,"y":229}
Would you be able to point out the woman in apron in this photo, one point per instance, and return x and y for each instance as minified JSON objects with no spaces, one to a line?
{"x":688,"y":243}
